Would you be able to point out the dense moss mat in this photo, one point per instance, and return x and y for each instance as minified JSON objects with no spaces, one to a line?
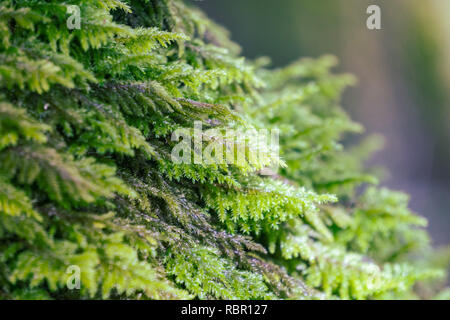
{"x":87,"y":178}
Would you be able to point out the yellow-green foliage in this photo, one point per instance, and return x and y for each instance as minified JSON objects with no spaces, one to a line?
{"x":86,"y":176}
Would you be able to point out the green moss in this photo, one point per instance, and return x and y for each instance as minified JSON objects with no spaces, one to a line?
{"x":87,"y":178}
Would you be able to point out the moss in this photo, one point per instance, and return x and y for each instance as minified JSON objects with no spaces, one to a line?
{"x":87,"y":178}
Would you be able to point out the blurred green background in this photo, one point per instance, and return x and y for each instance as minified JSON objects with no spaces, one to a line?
{"x":403,"y":71}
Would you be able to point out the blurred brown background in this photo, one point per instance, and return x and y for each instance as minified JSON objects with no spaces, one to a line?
{"x":403,"y":71}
